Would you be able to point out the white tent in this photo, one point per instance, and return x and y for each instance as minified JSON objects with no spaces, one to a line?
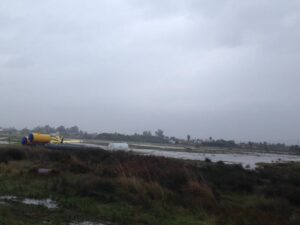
{"x":118,"y":146}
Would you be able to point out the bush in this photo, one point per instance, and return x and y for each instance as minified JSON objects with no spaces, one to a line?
{"x":198,"y":195}
{"x":286,"y":191}
{"x":77,"y":166}
{"x":57,"y":156}
{"x":208,"y":160}
{"x":12,"y":154}
{"x":230,"y":177}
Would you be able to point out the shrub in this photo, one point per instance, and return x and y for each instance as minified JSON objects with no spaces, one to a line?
{"x":77,"y":166}
{"x":57,"y":156}
{"x":12,"y":154}
{"x":196,"y":194}
{"x":230,"y":177}
{"x":208,"y":160}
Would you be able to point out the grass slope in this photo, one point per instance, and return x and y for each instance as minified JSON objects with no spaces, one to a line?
{"x":124,"y":188}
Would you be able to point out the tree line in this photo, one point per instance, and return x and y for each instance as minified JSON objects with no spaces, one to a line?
{"x":146,"y":136}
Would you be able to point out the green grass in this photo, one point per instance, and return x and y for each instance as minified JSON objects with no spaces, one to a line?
{"x":124,"y":188}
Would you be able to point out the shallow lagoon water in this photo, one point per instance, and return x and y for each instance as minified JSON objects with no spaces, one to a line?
{"x":246,"y":160}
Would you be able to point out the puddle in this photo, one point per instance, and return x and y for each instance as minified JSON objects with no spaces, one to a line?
{"x":8,"y":198}
{"x":87,"y":223}
{"x":48,"y":203}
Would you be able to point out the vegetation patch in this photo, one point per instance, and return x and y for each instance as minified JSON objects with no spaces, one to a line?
{"x":124,"y":188}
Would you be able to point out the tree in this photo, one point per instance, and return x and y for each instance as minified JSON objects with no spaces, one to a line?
{"x":25,"y":131}
{"x":61,"y":129}
{"x":188,"y":138}
{"x":147,"y":133}
{"x":74,"y":130}
{"x":48,"y":130}
{"x":159,"y":133}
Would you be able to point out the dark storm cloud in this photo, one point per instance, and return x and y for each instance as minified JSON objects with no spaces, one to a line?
{"x":227,"y":69}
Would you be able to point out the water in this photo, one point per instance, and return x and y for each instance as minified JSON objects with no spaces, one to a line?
{"x":87,"y":223}
{"x":246,"y":160}
{"x":4,"y":199}
{"x":48,"y":203}
{"x":8,"y":198}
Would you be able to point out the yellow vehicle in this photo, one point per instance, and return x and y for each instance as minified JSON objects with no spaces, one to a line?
{"x":45,"y":139}
{"x":37,"y":138}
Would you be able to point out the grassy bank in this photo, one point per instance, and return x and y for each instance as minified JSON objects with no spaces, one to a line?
{"x":124,"y":188}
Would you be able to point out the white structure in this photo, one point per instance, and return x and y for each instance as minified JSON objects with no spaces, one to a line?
{"x":118,"y":147}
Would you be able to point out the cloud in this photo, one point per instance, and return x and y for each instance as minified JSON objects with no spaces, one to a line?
{"x":208,"y":68}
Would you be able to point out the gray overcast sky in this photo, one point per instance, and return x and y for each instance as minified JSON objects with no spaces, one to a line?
{"x":227,"y":69}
